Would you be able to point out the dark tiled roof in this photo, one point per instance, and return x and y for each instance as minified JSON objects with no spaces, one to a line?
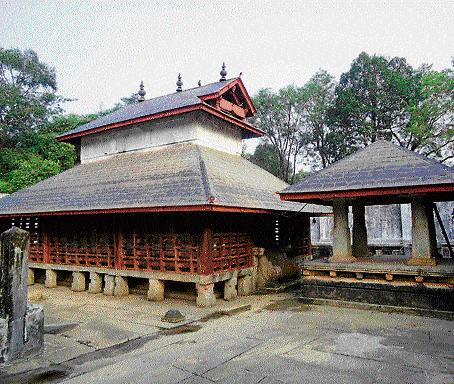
{"x":175,"y":176}
{"x":380,"y":165}
{"x":153,"y":106}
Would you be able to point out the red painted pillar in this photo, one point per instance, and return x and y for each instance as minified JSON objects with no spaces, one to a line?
{"x":118,"y":259}
{"x":46,"y":254}
{"x":205,"y":265}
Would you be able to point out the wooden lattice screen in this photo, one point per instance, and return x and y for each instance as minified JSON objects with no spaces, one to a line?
{"x":231,"y":251}
{"x":143,"y":252}
{"x":162,"y":252}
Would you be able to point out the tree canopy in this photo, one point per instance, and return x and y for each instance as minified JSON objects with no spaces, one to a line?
{"x":378,"y":98}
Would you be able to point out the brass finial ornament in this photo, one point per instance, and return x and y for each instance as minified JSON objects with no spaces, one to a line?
{"x":223,"y":73}
{"x":199,"y":83}
{"x":141,"y":92}
{"x":179,"y":84}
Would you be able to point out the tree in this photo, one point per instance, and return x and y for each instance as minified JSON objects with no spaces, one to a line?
{"x":28,"y":104}
{"x":323,"y":144}
{"x":371,"y":97}
{"x":430,"y":126}
{"x":280,"y":116}
{"x":266,"y":156}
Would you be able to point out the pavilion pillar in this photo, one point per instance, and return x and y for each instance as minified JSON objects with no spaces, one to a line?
{"x":359,"y":244}
{"x":424,"y":245}
{"x":342,"y":247}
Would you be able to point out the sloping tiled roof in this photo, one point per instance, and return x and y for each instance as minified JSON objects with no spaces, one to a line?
{"x":175,"y":176}
{"x":380,"y":165}
{"x":156,"y":105}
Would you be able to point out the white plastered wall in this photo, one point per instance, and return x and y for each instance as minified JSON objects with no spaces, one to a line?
{"x":152,"y":135}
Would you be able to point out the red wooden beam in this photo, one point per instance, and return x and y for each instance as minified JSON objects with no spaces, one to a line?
{"x":301,"y":196}
{"x":186,"y":208}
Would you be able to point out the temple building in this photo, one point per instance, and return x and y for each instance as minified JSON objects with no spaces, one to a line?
{"x":161,"y":197}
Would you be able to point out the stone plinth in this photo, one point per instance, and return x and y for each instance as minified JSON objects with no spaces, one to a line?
{"x":51,"y":278}
{"x":205,"y":295}
{"x":78,"y":283}
{"x":95,"y":285}
{"x":342,"y":246}
{"x":121,"y":286}
{"x":230,"y":291}
{"x":155,"y":290}
{"x":245,"y":285}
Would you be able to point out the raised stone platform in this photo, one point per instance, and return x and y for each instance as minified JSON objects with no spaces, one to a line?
{"x":388,"y":269}
{"x":382,"y":282}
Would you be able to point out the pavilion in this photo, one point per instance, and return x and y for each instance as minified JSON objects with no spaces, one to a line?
{"x":379,"y":174}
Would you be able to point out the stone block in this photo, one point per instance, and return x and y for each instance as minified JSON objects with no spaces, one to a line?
{"x":230,"y":291}
{"x":95,"y":285}
{"x":205,"y":295}
{"x":34,"y":330}
{"x":78,"y":283}
{"x":121,"y":286}
{"x":155,"y":290}
{"x":109,"y":285}
{"x":31,"y":277}
{"x":51,"y":278}
{"x":245,"y":285}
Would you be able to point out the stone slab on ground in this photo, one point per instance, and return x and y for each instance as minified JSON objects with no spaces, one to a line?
{"x":278,"y":341}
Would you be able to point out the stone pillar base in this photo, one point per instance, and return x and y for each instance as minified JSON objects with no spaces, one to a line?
{"x":422,"y":261}
{"x":109,"y":285}
{"x":121,"y":286}
{"x":245,"y":285}
{"x":51,"y":278}
{"x":342,"y":259}
{"x":78,"y":284}
{"x":31,"y":277}
{"x":155,"y":290}
{"x":205,"y":295}
{"x":95,"y":285}
{"x":230,"y":292}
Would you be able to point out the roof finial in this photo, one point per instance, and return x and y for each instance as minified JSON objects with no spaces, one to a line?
{"x":142,"y":92}
{"x":179,"y":84}
{"x":223,"y":73}
{"x":199,"y":83}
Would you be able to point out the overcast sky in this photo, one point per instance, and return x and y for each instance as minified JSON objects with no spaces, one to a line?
{"x":102,"y":50}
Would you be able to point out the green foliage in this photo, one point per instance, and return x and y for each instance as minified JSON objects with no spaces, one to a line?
{"x":29,"y":151}
{"x":266,"y":156}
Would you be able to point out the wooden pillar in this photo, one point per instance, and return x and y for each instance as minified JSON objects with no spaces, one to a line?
{"x":205,"y":264}
{"x":118,"y":260}
{"x":359,"y":245}
{"x":342,"y":247}
{"x":424,"y":248}
{"x":46,"y":253}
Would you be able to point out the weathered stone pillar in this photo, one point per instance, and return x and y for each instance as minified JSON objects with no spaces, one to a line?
{"x":18,"y":322}
{"x":95,"y":285}
{"x":121,"y":286}
{"x":423,"y":233}
{"x":109,"y":285}
{"x":245,"y":286}
{"x":342,"y":247}
{"x":205,"y":295}
{"x":230,"y":291}
{"x":78,"y":283}
{"x":359,"y":245}
{"x":31,"y":277}
{"x":51,"y":278}
{"x":155,"y":290}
